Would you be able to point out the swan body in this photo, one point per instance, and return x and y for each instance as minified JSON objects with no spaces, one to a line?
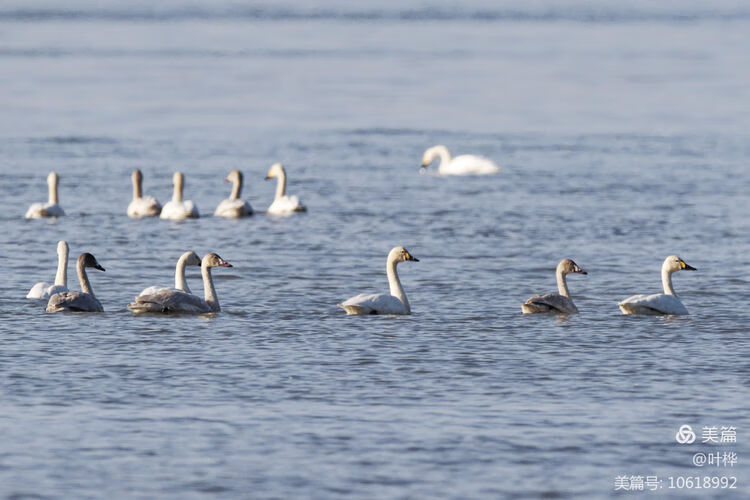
{"x":142,"y":206}
{"x":394,"y":302}
{"x":175,"y":301}
{"x":234,"y":207}
{"x":43,"y":290}
{"x":460,"y":165}
{"x":282,"y":203}
{"x":177,"y":208}
{"x":85,"y":300}
{"x":659,"y":303}
{"x":51,"y":208}
{"x":560,"y":302}
{"x":180,"y":284}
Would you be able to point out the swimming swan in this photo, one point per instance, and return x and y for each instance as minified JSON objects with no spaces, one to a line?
{"x":176,"y":209}
{"x":560,"y":302}
{"x":142,"y":206}
{"x":460,"y":165}
{"x":282,"y":204}
{"x":384,"y":303}
{"x":43,"y":290}
{"x":234,"y":207}
{"x":78,"y":301}
{"x":173,"y":301}
{"x":51,"y":208}
{"x":186,"y":259}
{"x":659,"y":303}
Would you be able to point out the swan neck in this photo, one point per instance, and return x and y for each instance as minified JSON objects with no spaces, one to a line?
{"x":137,"y":188}
{"x":395,"y":283}
{"x":179,"y":275}
{"x":177,"y":193}
{"x":281,"y":185}
{"x":53,"y":191}
{"x":84,"y":279}
{"x":209,"y":292}
{"x":61,"y":278}
{"x":236,"y":189}
{"x":444,"y":154}
{"x":562,"y":284}
{"x":666,"y":281}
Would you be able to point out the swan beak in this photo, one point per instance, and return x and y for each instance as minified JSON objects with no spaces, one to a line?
{"x":267,"y":177}
{"x":411,"y":257}
{"x":687,"y":267}
{"x":227,"y":180}
{"x":99,"y":267}
{"x":581,"y":271}
{"x":225,"y":264}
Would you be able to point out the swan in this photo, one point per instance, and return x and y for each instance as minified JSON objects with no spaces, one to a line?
{"x":51,"y":208}
{"x":384,"y":303}
{"x":176,"y":209}
{"x":659,"y":303}
{"x":460,"y":165}
{"x":174,"y":301}
{"x":234,"y":207}
{"x":560,"y":302}
{"x":78,"y":301}
{"x":186,"y":259}
{"x":282,"y":204}
{"x":44,"y":290}
{"x":142,"y":206}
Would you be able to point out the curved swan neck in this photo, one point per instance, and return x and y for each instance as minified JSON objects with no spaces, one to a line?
{"x":562,"y":284}
{"x":61,"y":278}
{"x":395,"y":283}
{"x":281,"y":184}
{"x":179,"y":274}
{"x":209,"y":292}
{"x":666,"y":280}
{"x":236,"y":188}
{"x":52,"y":185}
{"x":178,"y":185}
{"x":137,"y":187}
{"x":444,"y":154}
{"x":84,"y":278}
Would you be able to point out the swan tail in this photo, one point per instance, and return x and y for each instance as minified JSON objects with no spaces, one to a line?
{"x":356,"y":310}
{"x":535,"y":307}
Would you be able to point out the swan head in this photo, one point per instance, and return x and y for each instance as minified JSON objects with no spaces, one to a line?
{"x":276,"y":170}
{"x":62,"y":248}
{"x":53,"y":179}
{"x":234,"y":176}
{"x":88,"y":260}
{"x":567,"y":266}
{"x":673,"y":263}
{"x":192,"y":259}
{"x":401,"y":254}
{"x":434,"y":152}
{"x":213,"y":260}
{"x":137,"y":176}
{"x":178,"y":179}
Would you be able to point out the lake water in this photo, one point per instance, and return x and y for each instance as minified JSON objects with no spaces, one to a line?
{"x":622,"y":131}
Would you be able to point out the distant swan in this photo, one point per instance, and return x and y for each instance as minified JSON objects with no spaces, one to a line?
{"x":45,"y":290}
{"x":560,"y":302}
{"x":234,"y":207}
{"x":142,"y":206}
{"x":173,"y":301}
{"x":282,"y":204}
{"x":384,"y":303}
{"x":176,"y":209}
{"x":460,"y":165}
{"x":51,"y":208}
{"x":659,"y":303}
{"x":180,"y":284}
{"x":84,"y":300}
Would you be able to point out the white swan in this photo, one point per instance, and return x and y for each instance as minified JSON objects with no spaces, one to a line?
{"x":384,"y":303}
{"x":460,"y":165}
{"x":44,"y":290}
{"x":560,"y":302}
{"x":282,"y":204}
{"x":234,"y":207}
{"x":78,"y":301}
{"x":173,"y":301}
{"x":180,"y":284}
{"x":51,"y":208}
{"x":176,"y":208}
{"x":142,"y":206}
{"x":659,"y":303}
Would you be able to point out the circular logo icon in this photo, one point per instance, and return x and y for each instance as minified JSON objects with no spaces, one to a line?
{"x":685,"y":435}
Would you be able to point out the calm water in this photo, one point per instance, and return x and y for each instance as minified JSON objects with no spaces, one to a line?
{"x":622,"y":130}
